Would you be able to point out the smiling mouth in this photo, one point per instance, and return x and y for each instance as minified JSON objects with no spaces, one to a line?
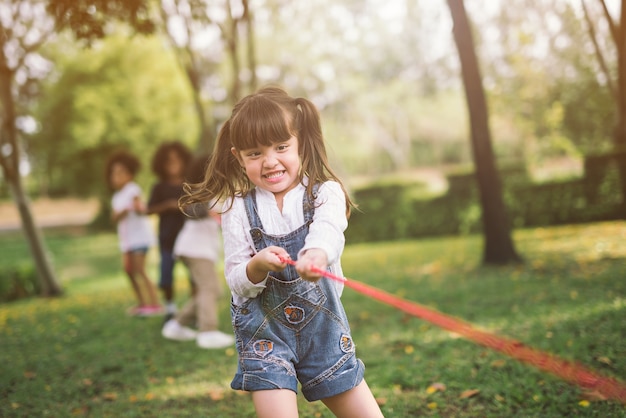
{"x":274,"y":175}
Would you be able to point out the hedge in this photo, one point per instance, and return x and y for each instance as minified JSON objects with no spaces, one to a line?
{"x":392,"y":210}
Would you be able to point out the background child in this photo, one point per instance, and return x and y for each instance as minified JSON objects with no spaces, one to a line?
{"x":133,"y":229}
{"x":198,"y":246}
{"x":284,"y":201}
{"x":168,"y":163}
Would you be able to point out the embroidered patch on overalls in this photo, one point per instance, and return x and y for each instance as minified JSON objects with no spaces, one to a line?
{"x":263,"y":347}
{"x":346,"y":344}
{"x":294,"y":314}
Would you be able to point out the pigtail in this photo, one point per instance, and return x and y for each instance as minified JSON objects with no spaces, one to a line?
{"x":315,"y":163}
{"x":224,"y":178}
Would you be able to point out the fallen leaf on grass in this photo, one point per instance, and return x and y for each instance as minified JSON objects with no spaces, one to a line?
{"x":584,"y":404}
{"x":593,"y":396}
{"x":605,"y":360}
{"x":87,"y":382}
{"x":149,"y":396}
{"x":80,"y":411}
{"x":216,"y":394}
{"x":469,"y":393}
{"x":436,"y":387}
{"x":109,"y":396}
{"x":498,"y":363}
{"x":132,"y":398}
{"x":29,"y":374}
{"x":381,"y":401}
{"x":432,"y":405}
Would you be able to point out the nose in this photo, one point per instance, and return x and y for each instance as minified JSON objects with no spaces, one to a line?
{"x":270,"y":160}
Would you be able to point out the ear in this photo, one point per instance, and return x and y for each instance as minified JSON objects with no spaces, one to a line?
{"x":234,"y":151}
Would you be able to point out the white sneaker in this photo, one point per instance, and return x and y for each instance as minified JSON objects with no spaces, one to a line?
{"x":173,"y":330}
{"x":214,"y":339}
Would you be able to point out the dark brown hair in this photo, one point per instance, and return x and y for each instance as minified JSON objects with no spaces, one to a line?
{"x":266,"y":117}
{"x":162,"y":153}
{"x":125,"y":159}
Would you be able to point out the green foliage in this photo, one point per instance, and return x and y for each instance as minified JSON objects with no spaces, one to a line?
{"x":18,"y":281}
{"x":88,"y":19}
{"x":120,"y":93}
{"x":81,"y":356}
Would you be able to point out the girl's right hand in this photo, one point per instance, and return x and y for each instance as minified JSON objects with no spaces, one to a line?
{"x":266,"y":260}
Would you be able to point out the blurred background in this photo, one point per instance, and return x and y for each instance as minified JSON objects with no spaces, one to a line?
{"x":81,"y":78}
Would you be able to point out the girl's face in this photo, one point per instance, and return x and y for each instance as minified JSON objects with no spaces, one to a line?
{"x":120,"y":176}
{"x":274,"y":168}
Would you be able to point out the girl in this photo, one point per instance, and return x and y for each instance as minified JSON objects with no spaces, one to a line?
{"x":133,"y":230}
{"x":284,"y":201}
{"x":168,"y":163}
{"x":198,"y":246}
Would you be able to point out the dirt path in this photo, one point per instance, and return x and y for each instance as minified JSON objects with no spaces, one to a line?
{"x":50,"y":212}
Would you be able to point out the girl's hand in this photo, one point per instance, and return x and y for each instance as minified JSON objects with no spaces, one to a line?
{"x":266,"y":260}
{"x":313,"y":258}
{"x":118,"y":216}
{"x":138,"y":206}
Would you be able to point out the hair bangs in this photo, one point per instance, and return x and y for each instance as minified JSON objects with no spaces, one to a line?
{"x":259,"y":122}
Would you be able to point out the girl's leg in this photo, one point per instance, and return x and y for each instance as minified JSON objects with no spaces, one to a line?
{"x":207,"y":290}
{"x":139,"y":266}
{"x":358,"y":402}
{"x":127,"y":260}
{"x":275,"y":403}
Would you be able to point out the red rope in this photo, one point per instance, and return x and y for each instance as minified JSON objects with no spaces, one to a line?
{"x":570,"y":371}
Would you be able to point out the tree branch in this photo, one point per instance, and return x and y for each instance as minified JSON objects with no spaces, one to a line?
{"x":612,"y":26}
{"x":598,"y":51}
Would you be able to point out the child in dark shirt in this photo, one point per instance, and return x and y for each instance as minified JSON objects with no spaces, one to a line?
{"x":169,"y":164}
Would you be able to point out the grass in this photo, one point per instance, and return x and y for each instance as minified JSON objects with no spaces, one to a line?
{"x":79,"y":355}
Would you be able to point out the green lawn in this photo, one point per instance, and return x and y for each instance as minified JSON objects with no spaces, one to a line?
{"x":80,"y":355}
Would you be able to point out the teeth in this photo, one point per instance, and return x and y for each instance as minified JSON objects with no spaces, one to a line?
{"x":274,"y":175}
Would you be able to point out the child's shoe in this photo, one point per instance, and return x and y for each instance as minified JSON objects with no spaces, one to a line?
{"x":214,"y":339}
{"x":134,"y":311}
{"x":173,"y":330}
{"x":150,"y":310}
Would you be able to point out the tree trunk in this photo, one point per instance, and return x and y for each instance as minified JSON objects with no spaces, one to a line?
{"x":619,"y":134}
{"x":9,"y":160}
{"x":499,"y":248}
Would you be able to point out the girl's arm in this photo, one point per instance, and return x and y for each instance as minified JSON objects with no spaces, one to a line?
{"x":117,"y":216}
{"x":245,"y":269}
{"x":164,"y":206}
{"x":329,"y":223}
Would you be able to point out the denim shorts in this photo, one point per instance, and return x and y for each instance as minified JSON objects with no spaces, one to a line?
{"x":298,"y":339}
{"x":141,"y":250}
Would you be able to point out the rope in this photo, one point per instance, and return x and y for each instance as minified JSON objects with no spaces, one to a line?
{"x":567,"y":370}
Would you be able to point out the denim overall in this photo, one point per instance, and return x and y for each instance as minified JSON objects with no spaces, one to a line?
{"x":295,"y":330}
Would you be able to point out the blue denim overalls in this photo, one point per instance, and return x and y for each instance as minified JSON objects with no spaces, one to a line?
{"x":295,"y":330}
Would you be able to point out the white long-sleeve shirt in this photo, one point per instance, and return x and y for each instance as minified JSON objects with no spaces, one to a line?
{"x":325,"y":232}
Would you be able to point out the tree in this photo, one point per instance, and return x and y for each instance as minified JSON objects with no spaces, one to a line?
{"x":615,"y":83}
{"x":499,"y":248}
{"x":124,"y":92}
{"x":217,"y":27}
{"x":23,"y":28}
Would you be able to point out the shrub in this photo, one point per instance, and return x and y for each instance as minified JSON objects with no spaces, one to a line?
{"x":18,"y":281}
{"x":392,"y":210}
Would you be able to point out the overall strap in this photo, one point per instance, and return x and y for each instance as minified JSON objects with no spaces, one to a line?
{"x":308,"y":205}
{"x":250,"y":204}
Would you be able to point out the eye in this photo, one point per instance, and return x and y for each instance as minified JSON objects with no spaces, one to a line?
{"x":282,"y":147}
{"x":252,"y":153}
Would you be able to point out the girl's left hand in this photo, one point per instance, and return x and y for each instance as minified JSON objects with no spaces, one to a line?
{"x":312,"y":258}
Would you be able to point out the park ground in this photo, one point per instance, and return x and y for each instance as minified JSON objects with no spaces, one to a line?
{"x":80,"y":355}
